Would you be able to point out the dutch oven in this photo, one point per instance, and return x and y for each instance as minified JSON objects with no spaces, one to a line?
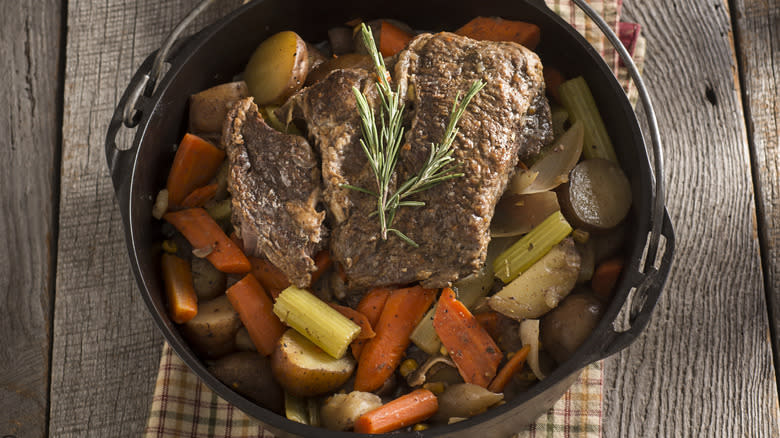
{"x":157,"y":108}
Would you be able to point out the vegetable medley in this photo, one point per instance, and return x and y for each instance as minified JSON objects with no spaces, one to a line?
{"x":401,"y":356}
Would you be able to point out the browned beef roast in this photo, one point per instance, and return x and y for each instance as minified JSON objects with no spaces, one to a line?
{"x":275,"y":183}
{"x":508,"y":119}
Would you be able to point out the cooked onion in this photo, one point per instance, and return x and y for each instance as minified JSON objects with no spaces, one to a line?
{"x":519,"y":214}
{"x":529,"y":334}
{"x":553,"y":166}
{"x":160,"y":204}
{"x":203,"y":252}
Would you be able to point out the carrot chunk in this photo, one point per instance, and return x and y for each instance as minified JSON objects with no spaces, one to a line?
{"x":255,"y":309}
{"x":182,"y":300}
{"x":195,"y":163}
{"x":366,"y":332}
{"x":199,"y":196}
{"x":511,"y":368}
{"x":371,"y":305}
{"x":605,"y":277}
{"x":498,"y":29}
{"x":471,"y":348}
{"x":203,"y":233}
{"x":323,"y":262}
{"x":392,"y":39}
{"x":271,"y":277}
{"x":406,"y":410}
{"x":382,"y":354}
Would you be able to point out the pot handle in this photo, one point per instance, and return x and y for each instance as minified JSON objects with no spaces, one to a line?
{"x":649,"y":277}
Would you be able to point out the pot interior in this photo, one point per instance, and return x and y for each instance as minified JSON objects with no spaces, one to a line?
{"x":220,"y":52}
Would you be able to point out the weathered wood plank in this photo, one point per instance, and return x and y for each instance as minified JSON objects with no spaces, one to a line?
{"x":758,"y":36}
{"x":105,"y":348}
{"x":704,"y":365}
{"x":30,"y":35}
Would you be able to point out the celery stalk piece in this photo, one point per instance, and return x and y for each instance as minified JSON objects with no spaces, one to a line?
{"x":531,"y":247}
{"x":316,"y":321}
{"x":470,"y":289}
{"x":578,"y":101}
{"x":221,"y":210}
{"x":296,"y":408}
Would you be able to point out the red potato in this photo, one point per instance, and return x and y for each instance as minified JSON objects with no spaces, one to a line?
{"x":278,"y":68}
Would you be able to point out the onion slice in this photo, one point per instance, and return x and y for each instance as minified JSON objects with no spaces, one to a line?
{"x":529,"y":335}
{"x":519,"y":214}
{"x":554,"y":164}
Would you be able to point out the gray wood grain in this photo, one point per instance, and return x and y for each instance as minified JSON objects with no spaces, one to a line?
{"x":758,"y":37}
{"x":30,"y":52}
{"x":704,"y":365}
{"x":106,"y":348}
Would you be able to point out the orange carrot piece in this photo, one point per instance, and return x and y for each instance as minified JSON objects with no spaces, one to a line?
{"x":491,"y":322}
{"x":553,"y":78}
{"x":511,"y":368}
{"x":498,"y":29}
{"x":182,"y":300}
{"x":605,"y":277}
{"x":366,"y":332}
{"x":256,"y":311}
{"x":371,"y":305}
{"x":202,"y":232}
{"x":323,"y":262}
{"x":392,"y":39}
{"x":195,"y":163}
{"x":382,"y":354}
{"x":199,"y":196}
{"x":406,"y":410}
{"x":471,"y":348}
{"x":271,"y":277}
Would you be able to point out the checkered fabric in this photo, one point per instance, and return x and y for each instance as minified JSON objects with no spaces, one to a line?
{"x":183,"y":406}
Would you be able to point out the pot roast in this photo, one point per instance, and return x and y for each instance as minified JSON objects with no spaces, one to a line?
{"x":507,"y":121}
{"x":274,"y":180}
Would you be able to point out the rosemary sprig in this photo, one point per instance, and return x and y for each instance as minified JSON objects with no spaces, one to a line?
{"x":382,"y":144}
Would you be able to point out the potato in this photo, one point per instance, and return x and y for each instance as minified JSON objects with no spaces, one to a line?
{"x":565,"y":328}
{"x":304,"y":370}
{"x":542,"y":286}
{"x":597,"y":196}
{"x":340,"y":411}
{"x":250,"y":375}
{"x":315,"y":56}
{"x":212,"y":332}
{"x":350,"y":60}
{"x":277,"y":68}
{"x":209,"y":282}
{"x":209,"y":107}
{"x":465,"y":400}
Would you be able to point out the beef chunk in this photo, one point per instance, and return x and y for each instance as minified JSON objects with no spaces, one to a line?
{"x":275,"y":183}
{"x":507,"y":120}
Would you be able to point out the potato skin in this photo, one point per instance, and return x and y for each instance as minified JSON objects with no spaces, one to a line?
{"x":277,"y":69}
{"x":304,"y":370}
{"x":208,"y":108}
{"x":597,"y":196}
{"x":567,"y":326}
{"x":249,"y":374}
{"x":212,"y":332}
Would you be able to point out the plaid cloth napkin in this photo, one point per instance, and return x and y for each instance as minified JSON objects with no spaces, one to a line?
{"x":183,"y":406}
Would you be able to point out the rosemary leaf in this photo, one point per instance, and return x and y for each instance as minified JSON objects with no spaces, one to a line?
{"x":382,"y":145}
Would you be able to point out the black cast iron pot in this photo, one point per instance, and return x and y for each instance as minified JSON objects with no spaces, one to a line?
{"x":220,"y":51}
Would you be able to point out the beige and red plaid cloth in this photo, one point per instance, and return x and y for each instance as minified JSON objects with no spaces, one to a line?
{"x":183,"y":406}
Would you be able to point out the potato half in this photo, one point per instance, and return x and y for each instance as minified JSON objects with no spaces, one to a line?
{"x":304,"y":370}
{"x":209,"y":107}
{"x":277,"y":68}
{"x":542,"y":286}
{"x":212,"y":332}
{"x":249,"y":374}
{"x":597,"y":196}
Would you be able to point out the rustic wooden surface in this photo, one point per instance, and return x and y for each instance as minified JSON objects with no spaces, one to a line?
{"x":29,"y":127}
{"x":704,"y":365}
{"x":758,"y":38}
{"x":702,"y":368}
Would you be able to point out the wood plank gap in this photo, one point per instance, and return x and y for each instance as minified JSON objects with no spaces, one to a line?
{"x":761,"y":226}
{"x":56,"y":179}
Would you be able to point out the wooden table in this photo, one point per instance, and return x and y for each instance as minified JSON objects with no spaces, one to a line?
{"x":80,"y":353}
